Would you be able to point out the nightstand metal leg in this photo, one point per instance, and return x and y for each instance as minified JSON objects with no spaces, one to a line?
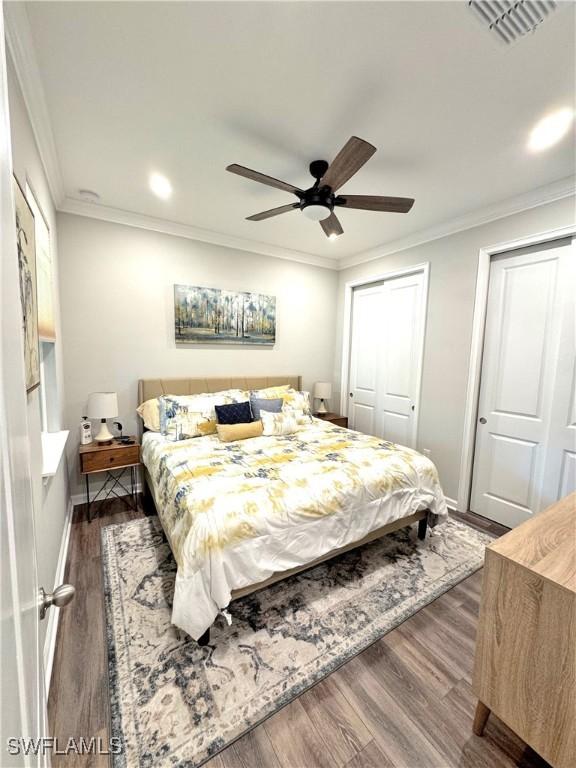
{"x":88,"y":497}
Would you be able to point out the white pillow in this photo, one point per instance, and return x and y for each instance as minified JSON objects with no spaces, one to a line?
{"x":278,"y":423}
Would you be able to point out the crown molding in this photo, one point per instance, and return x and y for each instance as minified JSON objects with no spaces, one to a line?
{"x":557,"y":190}
{"x":131,"y":219}
{"x":22,"y":51}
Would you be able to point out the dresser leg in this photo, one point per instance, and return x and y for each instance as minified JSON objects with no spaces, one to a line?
{"x":480,"y":718}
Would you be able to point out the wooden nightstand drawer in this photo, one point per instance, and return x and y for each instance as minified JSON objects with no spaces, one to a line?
{"x":341,"y":422}
{"x":122,"y":456}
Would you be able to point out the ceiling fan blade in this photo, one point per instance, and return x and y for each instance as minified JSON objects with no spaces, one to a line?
{"x":331,"y":225}
{"x":350,"y":159}
{"x":262,"y":178}
{"x":273,"y":212}
{"x":377,"y":203}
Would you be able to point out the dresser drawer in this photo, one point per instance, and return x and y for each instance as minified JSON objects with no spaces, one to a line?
{"x":108,"y":459}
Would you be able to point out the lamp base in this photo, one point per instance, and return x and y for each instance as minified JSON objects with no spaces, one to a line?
{"x":322,"y":407}
{"x":104,"y":436}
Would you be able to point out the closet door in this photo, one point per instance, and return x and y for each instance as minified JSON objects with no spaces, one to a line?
{"x":400,"y":350}
{"x":560,"y":465}
{"x":366,"y":338}
{"x":387,"y":337}
{"x":524,"y":345}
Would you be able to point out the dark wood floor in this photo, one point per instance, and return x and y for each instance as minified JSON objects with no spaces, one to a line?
{"x":406,"y":701}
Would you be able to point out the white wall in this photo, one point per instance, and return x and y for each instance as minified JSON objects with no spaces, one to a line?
{"x":453,"y":266}
{"x":50,"y":499}
{"x":116,"y":287}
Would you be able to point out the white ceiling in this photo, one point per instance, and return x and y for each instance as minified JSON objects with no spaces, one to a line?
{"x":187,"y":88}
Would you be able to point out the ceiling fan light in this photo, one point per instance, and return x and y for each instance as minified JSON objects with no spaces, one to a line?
{"x":316,"y":212}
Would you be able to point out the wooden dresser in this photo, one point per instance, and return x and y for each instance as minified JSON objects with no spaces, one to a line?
{"x":525,"y":665}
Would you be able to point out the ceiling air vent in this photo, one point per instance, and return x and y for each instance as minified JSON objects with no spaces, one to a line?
{"x":509,"y":21}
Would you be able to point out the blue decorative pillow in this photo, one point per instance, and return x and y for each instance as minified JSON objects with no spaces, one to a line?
{"x":261,"y":404}
{"x":235,"y":413}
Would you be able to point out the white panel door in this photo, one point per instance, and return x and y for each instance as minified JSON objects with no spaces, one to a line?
{"x":387,"y":337}
{"x":525,"y":312}
{"x":560,"y":466}
{"x":366,"y":338}
{"x":400,"y":351}
{"x":22,"y":695}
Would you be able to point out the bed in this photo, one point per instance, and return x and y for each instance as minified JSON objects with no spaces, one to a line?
{"x":240,"y":516}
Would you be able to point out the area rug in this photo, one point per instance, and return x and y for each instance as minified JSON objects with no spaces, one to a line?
{"x":174,"y":703}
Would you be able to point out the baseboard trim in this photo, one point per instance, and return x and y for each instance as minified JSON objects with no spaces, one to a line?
{"x":80,"y":498}
{"x":452,"y":503}
{"x":54,"y":614}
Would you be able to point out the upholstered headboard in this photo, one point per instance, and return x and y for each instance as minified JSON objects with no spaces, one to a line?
{"x":149,"y":388}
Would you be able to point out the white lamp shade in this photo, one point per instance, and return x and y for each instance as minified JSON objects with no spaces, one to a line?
{"x":102,"y":405}
{"x":323,"y":390}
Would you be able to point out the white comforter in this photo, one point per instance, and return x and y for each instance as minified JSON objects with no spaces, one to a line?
{"x":235,"y":513}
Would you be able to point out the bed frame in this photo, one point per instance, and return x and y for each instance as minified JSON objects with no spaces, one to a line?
{"x":150,"y":388}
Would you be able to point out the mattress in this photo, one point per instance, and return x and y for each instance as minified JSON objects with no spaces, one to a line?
{"x":235,"y":513}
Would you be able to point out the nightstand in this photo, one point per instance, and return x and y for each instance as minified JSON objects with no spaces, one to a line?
{"x":334,"y":418}
{"x":115,"y":459}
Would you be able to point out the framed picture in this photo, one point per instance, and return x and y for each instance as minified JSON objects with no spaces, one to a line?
{"x":44,"y":276}
{"x":216,"y":316}
{"x":26,"y":244}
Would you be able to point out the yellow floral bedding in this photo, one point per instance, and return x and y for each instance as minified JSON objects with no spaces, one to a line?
{"x":226,"y":506}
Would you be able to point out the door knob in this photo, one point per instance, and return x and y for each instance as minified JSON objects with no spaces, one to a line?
{"x":61,"y":596}
{"x":482,"y":420}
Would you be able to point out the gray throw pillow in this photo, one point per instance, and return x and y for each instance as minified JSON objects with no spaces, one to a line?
{"x":260,"y":403}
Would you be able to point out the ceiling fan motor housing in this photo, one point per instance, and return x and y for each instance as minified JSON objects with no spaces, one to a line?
{"x":317,"y":203}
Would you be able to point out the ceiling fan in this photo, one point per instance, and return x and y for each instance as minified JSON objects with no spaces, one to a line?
{"x":319,"y":201}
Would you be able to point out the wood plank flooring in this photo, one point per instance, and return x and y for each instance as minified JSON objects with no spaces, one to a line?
{"x":405,"y":702}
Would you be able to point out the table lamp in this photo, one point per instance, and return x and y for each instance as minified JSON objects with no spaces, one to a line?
{"x":103,"y":405}
{"x":322,"y":392}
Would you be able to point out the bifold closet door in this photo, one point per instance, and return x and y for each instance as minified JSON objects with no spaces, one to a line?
{"x":524,"y":457}
{"x":366,"y":339}
{"x":387,"y":331}
{"x":399,"y":356}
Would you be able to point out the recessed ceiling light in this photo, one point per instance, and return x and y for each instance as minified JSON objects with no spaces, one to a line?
{"x":160,"y":185}
{"x":550,"y":129}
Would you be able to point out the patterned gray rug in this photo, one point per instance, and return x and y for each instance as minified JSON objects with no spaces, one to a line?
{"x":174,"y":703}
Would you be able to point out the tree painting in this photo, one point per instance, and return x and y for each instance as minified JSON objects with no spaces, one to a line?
{"x":212,"y":315}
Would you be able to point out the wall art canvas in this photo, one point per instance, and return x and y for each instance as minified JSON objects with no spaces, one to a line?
{"x":216,"y":316}
{"x":26,"y":244}
{"x":44,"y":273}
